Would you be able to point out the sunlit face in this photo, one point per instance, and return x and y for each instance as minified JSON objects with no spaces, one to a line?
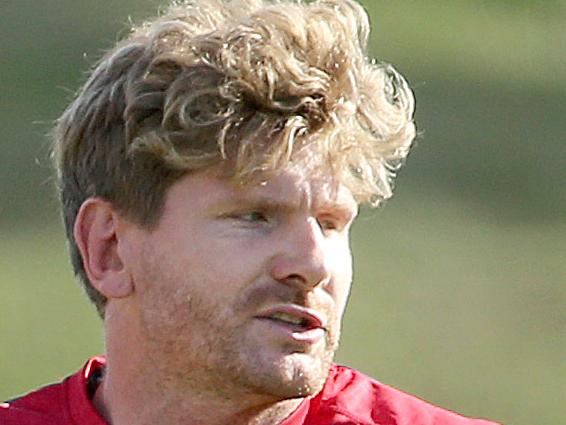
{"x":242,"y":290}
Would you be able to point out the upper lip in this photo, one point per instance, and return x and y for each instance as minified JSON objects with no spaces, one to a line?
{"x":313,"y":318}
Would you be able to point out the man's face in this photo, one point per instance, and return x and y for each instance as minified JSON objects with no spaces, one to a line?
{"x":243,"y":289}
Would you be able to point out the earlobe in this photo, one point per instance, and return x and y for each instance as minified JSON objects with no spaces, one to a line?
{"x":97,"y":237}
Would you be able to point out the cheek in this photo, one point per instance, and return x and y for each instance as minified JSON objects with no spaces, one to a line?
{"x":173,"y":295}
{"x":159,"y":269}
{"x":341,"y":261}
{"x":211,"y":268}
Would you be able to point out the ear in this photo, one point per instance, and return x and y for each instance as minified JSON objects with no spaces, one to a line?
{"x":97,"y":236}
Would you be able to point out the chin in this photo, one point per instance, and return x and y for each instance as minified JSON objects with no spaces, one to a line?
{"x":296,"y":375}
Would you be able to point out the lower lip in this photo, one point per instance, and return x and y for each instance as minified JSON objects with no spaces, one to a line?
{"x":307,"y":336}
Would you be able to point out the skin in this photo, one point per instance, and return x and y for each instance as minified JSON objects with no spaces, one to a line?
{"x":186,"y":334}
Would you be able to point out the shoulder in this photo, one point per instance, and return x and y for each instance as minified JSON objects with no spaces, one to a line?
{"x":43,"y":406}
{"x":350,"y":397}
{"x":63,"y":403}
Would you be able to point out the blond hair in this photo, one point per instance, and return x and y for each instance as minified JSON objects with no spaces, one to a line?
{"x":250,"y":82}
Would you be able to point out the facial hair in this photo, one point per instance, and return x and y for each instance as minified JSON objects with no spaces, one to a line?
{"x":195,"y":340}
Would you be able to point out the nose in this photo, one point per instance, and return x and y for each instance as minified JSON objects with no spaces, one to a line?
{"x":303,"y":260}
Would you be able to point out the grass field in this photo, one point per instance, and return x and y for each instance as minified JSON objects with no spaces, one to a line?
{"x":446,"y":304}
{"x":460,"y":286}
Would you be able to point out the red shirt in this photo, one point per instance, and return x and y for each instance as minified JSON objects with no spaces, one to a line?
{"x":348,"y":398}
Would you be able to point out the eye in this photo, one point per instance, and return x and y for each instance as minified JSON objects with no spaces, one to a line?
{"x":254,"y":217}
{"x":250,"y":217}
{"x":329,"y":225}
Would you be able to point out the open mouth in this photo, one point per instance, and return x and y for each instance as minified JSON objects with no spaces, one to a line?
{"x":298,"y":319}
{"x":286,"y":319}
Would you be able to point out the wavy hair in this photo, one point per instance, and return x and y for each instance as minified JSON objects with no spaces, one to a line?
{"x":250,"y":83}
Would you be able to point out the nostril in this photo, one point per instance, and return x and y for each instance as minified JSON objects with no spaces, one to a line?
{"x":306,"y":282}
{"x":295,"y":279}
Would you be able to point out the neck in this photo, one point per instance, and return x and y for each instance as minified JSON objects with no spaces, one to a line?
{"x":135,"y":392}
{"x":118,"y":408}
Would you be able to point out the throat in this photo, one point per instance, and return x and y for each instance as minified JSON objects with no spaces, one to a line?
{"x":268,"y":415}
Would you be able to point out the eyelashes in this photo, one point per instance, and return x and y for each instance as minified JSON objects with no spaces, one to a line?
{"x":261,"y":218}
{"x":254,"y":217}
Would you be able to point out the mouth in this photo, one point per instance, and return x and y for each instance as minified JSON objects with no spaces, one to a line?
{"x":296,"y":318}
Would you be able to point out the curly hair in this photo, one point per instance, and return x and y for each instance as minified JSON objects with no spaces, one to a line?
{"x":247,"y":82}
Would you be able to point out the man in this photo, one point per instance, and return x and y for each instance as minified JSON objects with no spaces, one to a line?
{"x":210,"y":170}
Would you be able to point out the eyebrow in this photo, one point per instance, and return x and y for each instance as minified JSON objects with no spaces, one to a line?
{"x":258,"y":201}
{"x":343,"y":208}
{"x":274,"y":203}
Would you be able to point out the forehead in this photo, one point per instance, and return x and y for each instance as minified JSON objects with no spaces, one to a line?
{"x":308,"y":174}
{"x":291,"y":188}
{"x":300,"y":187}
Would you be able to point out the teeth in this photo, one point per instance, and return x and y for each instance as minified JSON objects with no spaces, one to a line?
{"x":284,"y":317}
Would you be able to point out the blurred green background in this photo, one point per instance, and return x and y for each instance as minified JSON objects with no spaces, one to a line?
{"x":460,"y":291}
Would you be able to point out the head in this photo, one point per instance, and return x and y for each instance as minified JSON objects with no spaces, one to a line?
{"x":252,"y":94}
